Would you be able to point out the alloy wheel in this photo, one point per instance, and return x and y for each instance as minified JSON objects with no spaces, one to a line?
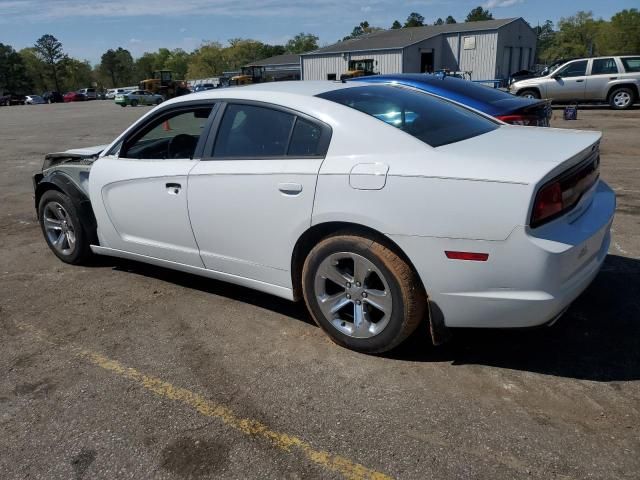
{"x":353,"y":295}
{"x":59,"y":228}
{"x":621,"y":99}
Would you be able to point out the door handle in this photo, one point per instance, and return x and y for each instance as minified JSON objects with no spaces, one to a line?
{"x":613,"y":78}
{"x":290,"y":188}
{"x":173,"y":188}
{"x":579,"y":81}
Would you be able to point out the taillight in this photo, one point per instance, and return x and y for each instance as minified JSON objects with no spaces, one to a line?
{"x":563,"y":193}
{"x":524,"y":120}
{"x":548,"y":203}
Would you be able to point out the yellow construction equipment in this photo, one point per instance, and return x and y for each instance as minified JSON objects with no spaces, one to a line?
{"x":248,"y":75}
{"x":163,"y":83}
{"x":358,"y":68}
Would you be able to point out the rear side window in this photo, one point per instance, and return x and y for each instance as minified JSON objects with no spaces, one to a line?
{"x":433,"y":120}
{"x":603,"y":66}
{"x":250,"y":131}
{"x":305,"y":140}
{"x":631,"y":64}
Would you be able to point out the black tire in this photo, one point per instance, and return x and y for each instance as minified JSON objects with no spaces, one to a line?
{"x":621,"y":98}
{"x":409,"y":300}
{"x":81,"y":251}
{"x":529,"y":93}
{"x":134,"y":103}
{"x":123,"y":105}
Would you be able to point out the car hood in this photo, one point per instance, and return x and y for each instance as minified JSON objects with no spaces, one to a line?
{"x":515,"y":154}
{"x":86,"y":156}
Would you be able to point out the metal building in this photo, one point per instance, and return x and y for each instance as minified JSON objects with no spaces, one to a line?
{"x":280,"y":67}
{"x":491,"y":49}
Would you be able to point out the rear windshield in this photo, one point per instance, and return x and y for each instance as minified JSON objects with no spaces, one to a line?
{"x":434,"y":121}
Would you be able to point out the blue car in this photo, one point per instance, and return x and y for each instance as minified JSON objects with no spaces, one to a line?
{"x":494,"y":102}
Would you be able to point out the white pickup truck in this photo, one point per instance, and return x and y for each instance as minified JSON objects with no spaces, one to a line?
{"x":614,"y":79}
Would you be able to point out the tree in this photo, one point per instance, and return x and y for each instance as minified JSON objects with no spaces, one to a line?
{"x":414,"y":20}
{"x":439,"y":21}
{"x":396,"y":25}
{"x":178,"y":63}
{"x":272,"y":50}
{"x":576,"y":37}
{"x":546,"y":35}
{"x":208,"y":60}
{"x":13,"y":72}
{"x":50,"y":51}
{"x":76,"y":74}
{"x":117,"y":66}
{"x":621,"y":35}
{"x":478,"y":14}
{"x":450,"y":20}
{"x":361,"y":29}
{"x":301,"y":43}
{"x":36,"y":70}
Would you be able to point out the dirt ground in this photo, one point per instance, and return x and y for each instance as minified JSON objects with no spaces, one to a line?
{"x":121,"y":370}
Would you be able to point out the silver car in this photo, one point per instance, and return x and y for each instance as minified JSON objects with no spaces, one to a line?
{"x":138,"y":97}
{"x":615,"y":80}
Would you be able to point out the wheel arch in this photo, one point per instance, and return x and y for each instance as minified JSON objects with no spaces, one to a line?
{"x":62,"y":183}
{"x":524,"y":89}
{"x":317,"y":232}
{"x":631,"y":86}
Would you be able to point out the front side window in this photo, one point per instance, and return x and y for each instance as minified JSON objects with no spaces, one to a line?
{"x":631,"y":64}
{"x":432,"y":120}
{"x":603,"y":66}
{"x":574,"y":69}
{"x":252,"y":131}
{"x":170,"y":136}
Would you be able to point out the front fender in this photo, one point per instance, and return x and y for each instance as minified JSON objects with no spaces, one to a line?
{"x":62,"y":182}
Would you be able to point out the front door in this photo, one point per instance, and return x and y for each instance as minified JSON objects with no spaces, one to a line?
{"x":569,"y":82}
{"x":252,"y":198}
{"x":139,"y":195}
{"x":426,"y":62}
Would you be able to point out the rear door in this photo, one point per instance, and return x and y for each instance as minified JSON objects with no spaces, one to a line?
{"x":139,"y":191}
{"x":603,"y":71}
{"x":251,"y":196}
{"x":569,"y":82}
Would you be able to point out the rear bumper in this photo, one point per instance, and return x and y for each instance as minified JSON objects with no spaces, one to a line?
{"x":528,"y":280}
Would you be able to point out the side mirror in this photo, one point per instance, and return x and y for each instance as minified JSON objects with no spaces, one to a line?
{"x":556,"y":76}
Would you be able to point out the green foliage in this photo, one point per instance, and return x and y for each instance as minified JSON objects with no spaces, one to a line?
{"x":621,"y":35}
{"x":13,"y":72}
{"x":76,"y":74}
{"x":450,"y":20}
{"x":396,"y":25}
{"x":439,"y":21}
{"x":478,"y":14}
{"x":49,"y":50}
{"x":414,"y":20}
{"x":116,"y":67}
{"x":362,"y":29}
{"x":301,"y":43}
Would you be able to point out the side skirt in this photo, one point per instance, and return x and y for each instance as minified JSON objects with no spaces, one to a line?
{"x":276,"y":290}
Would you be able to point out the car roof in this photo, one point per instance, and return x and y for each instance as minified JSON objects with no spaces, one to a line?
{"x":307,"y":88}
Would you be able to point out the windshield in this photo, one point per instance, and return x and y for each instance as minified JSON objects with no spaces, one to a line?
{"x":432,"y":120}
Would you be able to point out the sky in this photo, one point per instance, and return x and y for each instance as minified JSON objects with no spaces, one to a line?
{"x":88,"y":28}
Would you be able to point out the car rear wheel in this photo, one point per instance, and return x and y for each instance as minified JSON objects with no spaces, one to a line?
{"x":134,"y":103}
{"x":621,"y":98}
{"x":362,"y":294}
{"x":62,"y":228}
{"x":533,"y":94}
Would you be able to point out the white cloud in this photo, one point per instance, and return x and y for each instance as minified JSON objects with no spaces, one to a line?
{"x":135,"y":40}
{"x":502,"y":3}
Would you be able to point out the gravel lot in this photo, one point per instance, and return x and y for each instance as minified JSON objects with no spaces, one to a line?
{"x":121,"y":370}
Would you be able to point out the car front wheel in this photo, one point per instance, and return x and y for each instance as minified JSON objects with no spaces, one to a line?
{"x":362,"y":294}
{"x":134,"y":103}
{"x":62,"y":228}
{"x":532,"y":94}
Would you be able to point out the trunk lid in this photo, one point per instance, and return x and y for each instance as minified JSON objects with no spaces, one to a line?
{"x":513,"y":154}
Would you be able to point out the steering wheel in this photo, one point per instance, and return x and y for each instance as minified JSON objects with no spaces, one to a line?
{"x":181,"y":146}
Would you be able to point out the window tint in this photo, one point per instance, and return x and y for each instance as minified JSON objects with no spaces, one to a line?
{"x":173,"y":136}
{"x":602,"y":66}
{"x":574,"y":69}
{"x":434,"y":121}
{"x":250,"y":131}
{"x":305,"y":140}
{"x":631,"y":64}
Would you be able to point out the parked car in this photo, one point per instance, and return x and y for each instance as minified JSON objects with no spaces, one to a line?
{"x":53,"y":97}
{"x":89,"y":93}
{"x":34,"y":100}
{"x":138,"y":97}
{"x":494,"y":102}
{"x":112,"y":92}
{"x":612,"y":79}
{"x":74,"y":97}
{"x":381,"y":206}
{"x":204,"y":87}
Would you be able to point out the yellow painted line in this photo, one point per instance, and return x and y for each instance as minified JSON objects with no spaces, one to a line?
{"x":288,"y":443}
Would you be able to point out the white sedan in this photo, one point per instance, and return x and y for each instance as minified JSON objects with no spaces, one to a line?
{"x":34,"y":100}
{"x":381,"y":206}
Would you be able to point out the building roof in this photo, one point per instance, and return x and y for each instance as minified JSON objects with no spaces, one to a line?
{"x":403,"y":37}
{"x":286,"y":59}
